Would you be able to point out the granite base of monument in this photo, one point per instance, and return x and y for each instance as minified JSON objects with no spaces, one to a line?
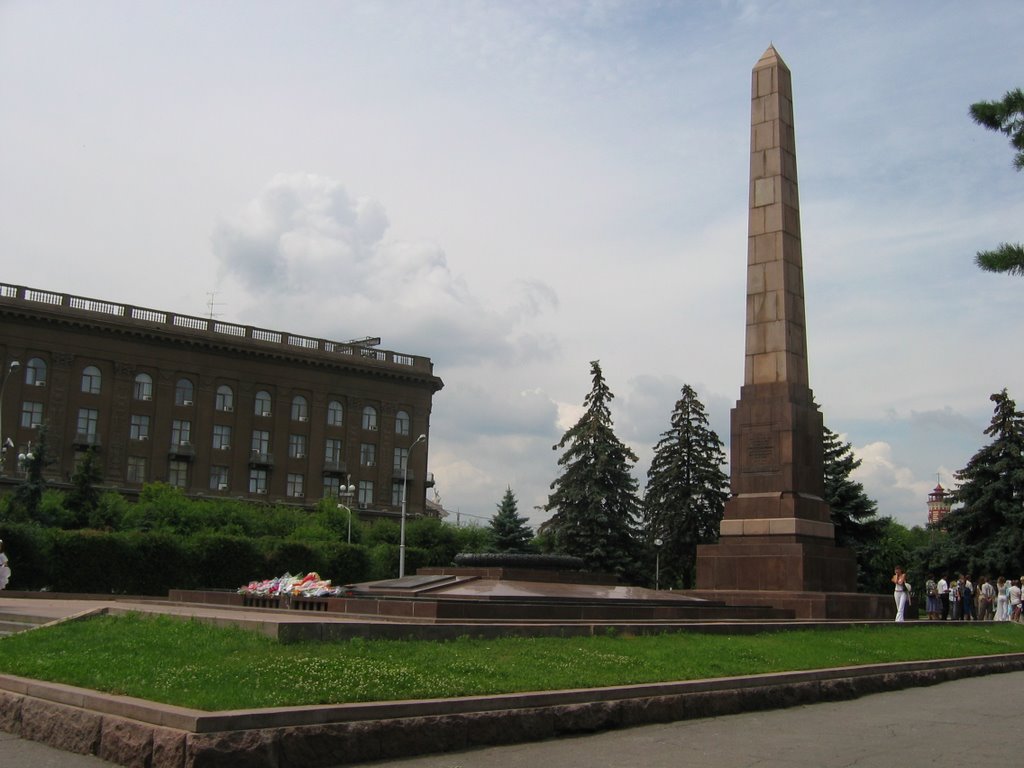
{"x":811,"y":605}
{"x":816,"y":579}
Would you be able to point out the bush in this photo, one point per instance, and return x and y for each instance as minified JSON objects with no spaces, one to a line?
{"x":90,"y":562}
{"x":29,"y":549}
{"x":295,"y":557}
{"x":157,"y":563}
{"x":347,"y":564}
{"x":224,"y":562}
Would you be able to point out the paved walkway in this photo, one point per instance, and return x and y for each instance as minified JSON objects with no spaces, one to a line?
{"x":970,"y":722}
{"x":954,"y":725}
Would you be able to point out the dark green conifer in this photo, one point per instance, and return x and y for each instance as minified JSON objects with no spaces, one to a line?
{"x":594,"y":500}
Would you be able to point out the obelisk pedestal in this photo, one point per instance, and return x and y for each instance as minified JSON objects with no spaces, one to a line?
{"x":776,"y":535}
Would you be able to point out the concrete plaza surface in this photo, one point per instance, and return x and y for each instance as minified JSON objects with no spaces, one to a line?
{"x":958,"y":724}
{"x":968,"y":722}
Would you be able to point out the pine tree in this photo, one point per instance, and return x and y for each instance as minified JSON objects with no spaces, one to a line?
{"x":853,"y":511}
{"x":988,"y":530}
{"x":510,"y":531}
{"x":686,"y":490}
{"x":594,"y":500}
{"x":1006,"y":116}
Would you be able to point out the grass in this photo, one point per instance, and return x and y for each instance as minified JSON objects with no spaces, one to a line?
{"x":197,"y":665}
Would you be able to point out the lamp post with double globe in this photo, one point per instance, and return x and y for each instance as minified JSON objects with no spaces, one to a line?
{"x":405,"y":493}
{"x":345,"y":492}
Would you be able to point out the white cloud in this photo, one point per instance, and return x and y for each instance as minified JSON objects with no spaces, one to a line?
{"x":320,"y":253}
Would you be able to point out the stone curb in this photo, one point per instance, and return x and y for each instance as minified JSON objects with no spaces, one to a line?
{"x":135,"y":732}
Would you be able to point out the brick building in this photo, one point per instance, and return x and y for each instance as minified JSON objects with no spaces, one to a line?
{"x":212,"y":407}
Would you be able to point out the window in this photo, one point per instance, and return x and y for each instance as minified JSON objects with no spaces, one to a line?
{"x":177,"y":474}
{"x":31,"y":415}
{"x":139,"y":429}
{"x":136,"y":469}
{"x":300,"y":409}
{"x":263,"y":401}
{"x":396,"y":493}
{"x":365,"y":493}
{"x":181,"y":432}
{"x":332,"y":451}
{"x":88,"y":421}
{"x":294,"y":487}
{"x":91,"y":380}
{"x":401,"y":423}
{"x":142,"y":387}
{"x":221,"y":437}
{"x":335,"y":414}
{"x":35,"y":373}
{"x":297,"y":446}
{"x":401,"y":459}
{"x":369,"y":417}
{"x":332,"y":486}
{"x":225,"y":399}
{"x":257,"y":481}
{"x":368,"y":454}
{"x":184,"y":392}
{"x":218,"y":478}
{"x":260,"y":441}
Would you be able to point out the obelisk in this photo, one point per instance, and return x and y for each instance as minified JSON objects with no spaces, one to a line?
{"x":777,"y":532}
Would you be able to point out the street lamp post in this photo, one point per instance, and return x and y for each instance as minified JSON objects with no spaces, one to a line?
{"x":405,"y":494}
{"x":657,"y":563}
{"x":25,"y":458}
{"x":5,"y":444}
{"x":346,"y":492}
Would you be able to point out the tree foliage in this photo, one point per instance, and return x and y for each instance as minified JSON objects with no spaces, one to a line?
{"x":594,"y":500}
{"x":988,"y":529}
{"x":1005,"y":116}
{"x":28,"y":496}
{"x":510,"y":531}
{"x":854,"y":513}
{"x":84,"y":497}
{"x":686,"y":490}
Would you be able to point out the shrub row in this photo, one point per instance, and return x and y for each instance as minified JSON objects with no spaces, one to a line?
{"x":153,"y":562}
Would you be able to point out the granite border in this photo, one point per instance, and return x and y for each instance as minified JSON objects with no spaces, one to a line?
{"x":135,"y":732}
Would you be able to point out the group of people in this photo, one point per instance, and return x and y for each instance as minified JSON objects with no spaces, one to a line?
{"x":961,"y":600}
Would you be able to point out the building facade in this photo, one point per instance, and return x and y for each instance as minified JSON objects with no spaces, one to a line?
{"x":211,"y":407}
{"x":940,"y":504}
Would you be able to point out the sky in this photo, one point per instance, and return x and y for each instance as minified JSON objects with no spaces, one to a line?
{"x":515,"y":189}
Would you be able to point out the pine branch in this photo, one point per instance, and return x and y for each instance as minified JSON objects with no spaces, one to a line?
{"x":1008,"y":257}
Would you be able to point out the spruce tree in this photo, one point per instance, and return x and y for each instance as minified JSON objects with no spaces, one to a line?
{"x":1006,"y":116}
{"x":988,"y":530}
{"x":853,"y":511}
{"x":594,"y":500}
{"x":686,"y":490}
{"x":510,"y":531}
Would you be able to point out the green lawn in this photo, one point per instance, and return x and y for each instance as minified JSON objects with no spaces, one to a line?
{"x":197,"y":665}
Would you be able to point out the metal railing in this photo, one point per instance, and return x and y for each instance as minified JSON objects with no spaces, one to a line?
{"x":19,"y":293}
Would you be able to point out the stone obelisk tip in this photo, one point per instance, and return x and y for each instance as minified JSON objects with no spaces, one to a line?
{"x":771,"y":57}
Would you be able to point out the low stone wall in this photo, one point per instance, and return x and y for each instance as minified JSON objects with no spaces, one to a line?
{"x":132,"y":732}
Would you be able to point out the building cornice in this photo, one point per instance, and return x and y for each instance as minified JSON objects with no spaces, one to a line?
{"x":213,"y":335}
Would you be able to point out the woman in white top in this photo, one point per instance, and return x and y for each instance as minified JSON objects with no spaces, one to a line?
{"x":5,"y":569}
{"x":900,"y":589}
{"x":1014,"y":601}
{"x":1002,"y":599}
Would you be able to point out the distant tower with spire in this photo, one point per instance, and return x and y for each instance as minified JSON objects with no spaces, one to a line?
{"x":939,"y":504}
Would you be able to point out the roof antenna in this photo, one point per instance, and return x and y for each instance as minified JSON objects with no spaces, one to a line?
{"x":212,"y":303}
